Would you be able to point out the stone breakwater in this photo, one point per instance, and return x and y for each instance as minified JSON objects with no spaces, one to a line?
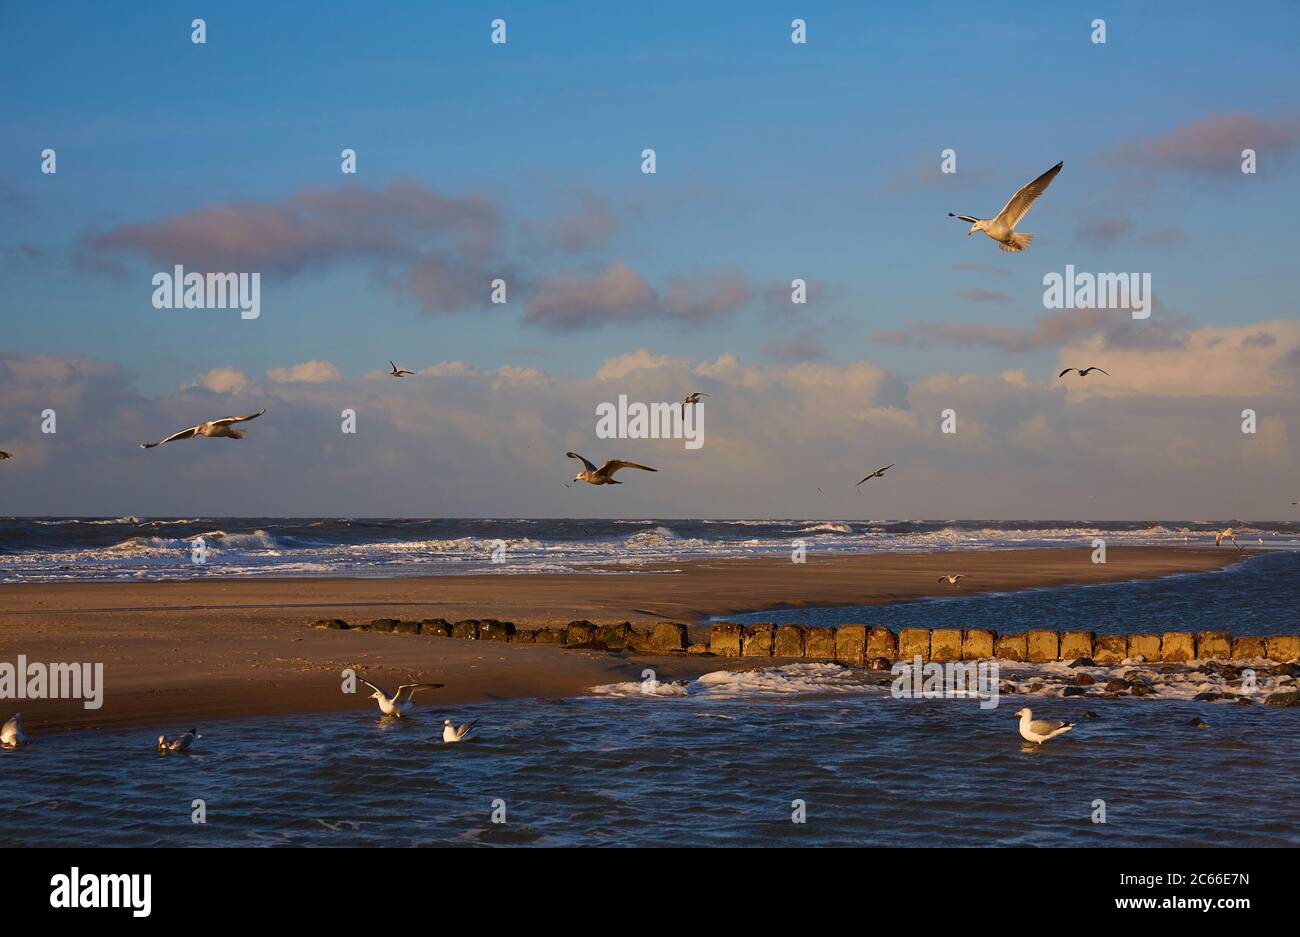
{"x":862,"y":645}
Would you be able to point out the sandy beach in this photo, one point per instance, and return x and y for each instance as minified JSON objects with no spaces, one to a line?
{"x":189,"y":652}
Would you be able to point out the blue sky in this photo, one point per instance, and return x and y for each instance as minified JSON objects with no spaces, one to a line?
{"x":774,"y":160}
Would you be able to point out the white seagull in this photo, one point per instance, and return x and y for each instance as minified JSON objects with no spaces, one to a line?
{"x":1228,"y":533}
{"x":182,"y":743}
{"x":392,"y":705}
{"x":222,"y":427}
{"x":1084,"y":372}
{"x":399,"y":372}
{"x":12,"y":735}
{"x":1040,"y":730}
{"x":878,"y":473}
{"x":454,"y":733}
{"x":692,"y":398}
{"x":1001,"y":228}
{"x":952,"y":580}
{"x":605,"y":474}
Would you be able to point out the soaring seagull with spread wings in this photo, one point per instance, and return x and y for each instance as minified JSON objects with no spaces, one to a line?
{"x":605,"y":474}
{"x":878,"y":473}
{"x":399,"y":372}
{"x":952,"y":580}
{"x":222,"y":427}
{"x":1084,"y":372}
{"x":393,"y":704}
{"x":1002,"y":228}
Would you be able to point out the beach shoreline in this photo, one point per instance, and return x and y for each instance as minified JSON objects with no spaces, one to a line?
{"x":196,"y":650}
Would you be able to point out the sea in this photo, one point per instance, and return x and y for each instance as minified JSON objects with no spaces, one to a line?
{"x":801,"y":754}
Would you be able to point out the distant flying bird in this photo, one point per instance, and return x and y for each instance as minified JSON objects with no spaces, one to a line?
{"x":1001,"y":227}
{"x":1084,"y":372}
{"x":392,"y":705}
{"x":5,"y":455}
{"x":952,"y":580}
{"x":222,"y":427}
{"x":605,"y":474}
{"x":399,"y":372}
{"x":692,"y":398}
{"x":12,"y":734}
{"x":1040,"y":730}
{"x":878,"y":473}
{"x":1228,"y":533}
{"x":181,"y":743}
{"x":454,"y":733}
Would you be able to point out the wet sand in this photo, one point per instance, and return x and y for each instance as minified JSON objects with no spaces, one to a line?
{"x":181,"y":653}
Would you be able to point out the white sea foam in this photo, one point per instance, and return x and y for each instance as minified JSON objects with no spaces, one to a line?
{"x":791,"y":679}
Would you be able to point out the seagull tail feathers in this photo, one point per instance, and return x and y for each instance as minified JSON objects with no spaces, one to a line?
{"x":1017,"y":242}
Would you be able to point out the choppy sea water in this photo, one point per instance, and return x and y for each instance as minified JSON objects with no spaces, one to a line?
{"x":713,"y":766}
{"x":53,"y":549}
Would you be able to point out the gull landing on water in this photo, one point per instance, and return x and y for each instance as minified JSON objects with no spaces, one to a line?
{"x":399,"y":372}
{"x":605,"y":474}
{"x":1001,"y":228}
{"x":222,"y":427}
{"x":454,"y":733}
{"x":12,"y":734}
{"x":1229,"y":533}
{"x":392,"y":705}
{"x":1039,"y":731}
{"x":878,"y":473}
{"x":181,"y":743}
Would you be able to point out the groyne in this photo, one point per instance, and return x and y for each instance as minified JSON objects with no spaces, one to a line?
{"x":862,"y":645}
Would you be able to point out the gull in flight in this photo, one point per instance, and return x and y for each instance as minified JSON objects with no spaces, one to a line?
{"x":454,"y":733}
{"x":5,"y":455}
{"x":879,"y":473}
{"x":12,"y":735}
{"x":1084,"y":372}
{"x":399,"y":372}
{"x":222,"y":427}
{"x":392,"y":705}
{"x":952,"y":580}
{"x":692,"y":398}
{"x":605,"y":474}
{"x":1001,"y":228}
{"x":182,"y":743}
{"x":1228,"y":533}
{"x":1040,"y":730}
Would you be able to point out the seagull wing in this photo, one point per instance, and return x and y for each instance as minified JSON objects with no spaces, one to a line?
{"x":377,"y":689}
{"x":464,"y":730}
{"x":1020,"y":203}
{"x":963,"y":217}
{"x":613,"y":465}
{"x":1046,"y":726}
{"x":227,"y":420}
{"x":393,"y":363}
{"x":410,"y":688}
{"x":183,"y":434}
{"x":574,"y":455}
{"x":1066,"y":371}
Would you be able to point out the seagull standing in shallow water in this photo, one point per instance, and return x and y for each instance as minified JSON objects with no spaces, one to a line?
{"x":392,"y":705}
{"x":222,"y":427}
{"x":454,"y":733}
{"x":12,"y":734}
{"x":399,"y":372}
{"x":1001,"y":228}
{"x":1039,"y":731}
{"x":181,"y":743}
{"x":605,"y":474}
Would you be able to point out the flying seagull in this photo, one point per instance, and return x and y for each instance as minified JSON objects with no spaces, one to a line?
{"x":12,"y":734}
{"x":182,"y":743}
{"x":1084,"y":372}
{"x":1040,"y":730}
{"x":692,"y":398}
{"x":1228,"y":533}
{"x":222,"y":427}
{"x":878,"y":473}
{"x":605,"y":474}
{"x":5,"y":455}
{"x":399,"y":372}
{"x":454,"y":733}
{"x":394,"y":704}
{"x":952,"y":580}
{"x":1001,"y":228}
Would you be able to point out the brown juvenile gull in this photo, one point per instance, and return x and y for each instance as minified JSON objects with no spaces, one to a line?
{"x":692,"y":398}
{"x":605,"y":474}
{"x":1084,"y":372}
{"x":878,"y":473}
{"x":399,"y":372}
{"x":1001,"y":227}
{"x":222,"y":427}
{"x":1039,"y":731}
{"x":392,"y":705}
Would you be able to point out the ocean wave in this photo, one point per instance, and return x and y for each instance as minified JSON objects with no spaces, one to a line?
{"x":788,"y":680}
